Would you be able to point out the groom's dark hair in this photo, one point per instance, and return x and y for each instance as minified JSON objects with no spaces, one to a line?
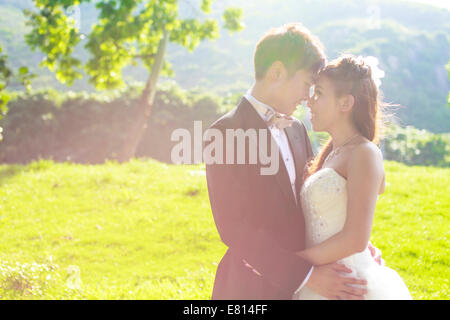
{"x":294,"y":46}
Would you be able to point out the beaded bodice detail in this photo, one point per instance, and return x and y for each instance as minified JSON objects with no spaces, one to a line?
{"x":324,"y":202}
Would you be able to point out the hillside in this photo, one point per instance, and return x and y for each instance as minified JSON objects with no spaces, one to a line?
{"x":411,"y":40}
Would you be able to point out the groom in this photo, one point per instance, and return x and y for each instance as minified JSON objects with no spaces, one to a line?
{"x":259,"y":217}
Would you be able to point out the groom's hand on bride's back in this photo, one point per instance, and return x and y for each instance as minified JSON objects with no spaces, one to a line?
{"x":328,"y":281}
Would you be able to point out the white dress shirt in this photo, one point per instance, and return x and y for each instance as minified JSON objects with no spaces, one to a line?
{"x":283,"y":144}
{"x":281,"y":139}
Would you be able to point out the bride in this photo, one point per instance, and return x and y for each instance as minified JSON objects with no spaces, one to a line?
{"x":343,"y":182}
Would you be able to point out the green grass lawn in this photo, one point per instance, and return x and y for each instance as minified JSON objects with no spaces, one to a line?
{"x":144,"y":230}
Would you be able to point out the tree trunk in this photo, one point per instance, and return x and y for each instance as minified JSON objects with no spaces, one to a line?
{"x":145,"y":105}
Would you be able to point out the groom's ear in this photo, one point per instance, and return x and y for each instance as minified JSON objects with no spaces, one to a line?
{"x":346,"y":102}
{"x":276,"y":71}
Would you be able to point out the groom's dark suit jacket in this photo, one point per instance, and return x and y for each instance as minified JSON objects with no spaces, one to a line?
{"x":257,"y":216}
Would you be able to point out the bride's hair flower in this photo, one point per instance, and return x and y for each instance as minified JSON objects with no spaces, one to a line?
{"x":373,"y":63}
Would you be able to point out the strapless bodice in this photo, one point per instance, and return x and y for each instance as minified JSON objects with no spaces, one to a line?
{"x":324,"y":202}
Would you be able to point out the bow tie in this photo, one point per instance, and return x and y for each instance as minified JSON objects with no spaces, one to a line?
{"x":279,"y":120}
{"x":273,"y":118}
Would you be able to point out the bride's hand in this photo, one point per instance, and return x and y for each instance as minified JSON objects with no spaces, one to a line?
{"x":376,"y":254}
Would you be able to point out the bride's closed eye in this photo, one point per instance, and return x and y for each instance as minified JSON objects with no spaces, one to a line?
{"x":316,"y":95}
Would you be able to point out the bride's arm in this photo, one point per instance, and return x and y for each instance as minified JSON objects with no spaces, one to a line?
{"x":364,"y":176}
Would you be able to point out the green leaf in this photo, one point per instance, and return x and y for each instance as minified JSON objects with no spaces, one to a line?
{"x":206,"y":6}
{"x":233,"y":17}
{"x":23,"y":70}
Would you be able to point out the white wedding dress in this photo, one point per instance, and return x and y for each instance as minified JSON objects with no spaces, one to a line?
{"x":324,"y":202}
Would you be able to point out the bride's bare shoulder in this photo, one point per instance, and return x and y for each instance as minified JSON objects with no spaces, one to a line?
{"x":366,"y":158}
{"x":367,"y":150}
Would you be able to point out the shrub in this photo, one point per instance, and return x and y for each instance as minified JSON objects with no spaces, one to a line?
{"x":416,"y":147}
{"x":39,"y":281}
{"x":90,"y":128}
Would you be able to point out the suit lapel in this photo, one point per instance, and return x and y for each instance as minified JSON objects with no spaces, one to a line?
{"x":294,"y":139}
{"x":282,"y":176}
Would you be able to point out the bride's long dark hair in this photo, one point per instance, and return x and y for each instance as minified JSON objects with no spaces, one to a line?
{"x":350,"y":75}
